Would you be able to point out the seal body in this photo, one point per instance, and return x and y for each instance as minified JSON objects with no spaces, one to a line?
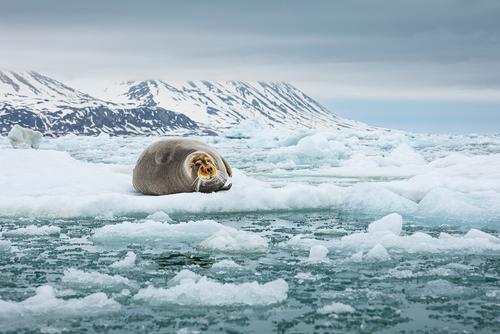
{"x":178,"y":166}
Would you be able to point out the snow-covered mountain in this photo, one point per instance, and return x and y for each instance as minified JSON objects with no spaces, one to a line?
{"x":155,"y":106}
{"x":223,"y":104}
{"x":47,"y":105}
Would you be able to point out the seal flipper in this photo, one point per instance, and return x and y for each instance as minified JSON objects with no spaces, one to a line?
{"x":226,"y":187}
{"x":228,"y":168}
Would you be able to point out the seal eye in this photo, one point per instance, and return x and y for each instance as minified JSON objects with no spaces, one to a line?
{"x":197,"y":164}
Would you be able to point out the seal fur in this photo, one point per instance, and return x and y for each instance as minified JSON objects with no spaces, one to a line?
{"x":178,"y":166}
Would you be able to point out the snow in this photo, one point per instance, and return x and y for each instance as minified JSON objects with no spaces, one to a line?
{"x":34,"y":230}
{"x":45,"y":303}
{"x":336,"y":308}
{"x":92,"y":279}
{"x":127,"y":262}
{"x":193,"y":289}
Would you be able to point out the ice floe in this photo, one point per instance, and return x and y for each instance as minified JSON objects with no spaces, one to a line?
{"x":193,"y":289}
{"x":127,"y":262}
{"x":76,"y":278}
{"x":318,"y":253}
{"x":45,"y":303}
{"x":233,"y":240}
{"x":337,"y":308}
{"x":385,"y":234}
{"x":207,"y":234}
{"x":373,"y":171}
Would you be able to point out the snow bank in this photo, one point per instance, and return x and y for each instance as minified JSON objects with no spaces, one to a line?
{"x":93,"y":279}
{"x":208,"y":233}
{"x":193,"y":289}
{"x":34,"y":230}
{"x":45,"y":303}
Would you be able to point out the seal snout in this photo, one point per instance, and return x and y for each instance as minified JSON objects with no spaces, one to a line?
{"x":205,"y":166}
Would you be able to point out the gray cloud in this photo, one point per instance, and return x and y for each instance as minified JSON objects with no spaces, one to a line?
{"x":386,"y":49}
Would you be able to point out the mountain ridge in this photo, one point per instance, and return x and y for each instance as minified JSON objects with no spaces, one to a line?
{"x":155,"y":106}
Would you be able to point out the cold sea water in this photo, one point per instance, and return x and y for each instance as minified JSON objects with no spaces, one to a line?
{"x":323,"y":232}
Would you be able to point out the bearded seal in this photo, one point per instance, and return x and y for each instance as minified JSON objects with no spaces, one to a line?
{"x":180,"y":166}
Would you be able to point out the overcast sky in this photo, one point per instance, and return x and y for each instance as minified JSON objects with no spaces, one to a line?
{"x":371,"y":60}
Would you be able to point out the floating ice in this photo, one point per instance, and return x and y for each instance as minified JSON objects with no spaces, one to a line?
{"x":84,"y":279}
{"x":233,"y":240}
{"x":306,"y":277}
{"x":20,"y":137}
{"x":377,"y":241}
{"x":403,"y":155}
{"x":336,"y":308}
{"x":45,"y":303}
{"x":318,"y":253}
{"x":127,"y":262}
{"x":378,"y":253}
{"x":391,"y":223}
{"x":199,"y":290}
{"x":159,"y":216}
{"x":226,"y":264}
{"x":5,"y":245}
{"x":209,"y":233}
{"x":34,"y":230}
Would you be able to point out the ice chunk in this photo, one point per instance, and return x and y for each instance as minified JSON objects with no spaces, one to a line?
{"x":226,"y":264}
{"x":403,"y":155}
{"x":200,"y":290}
{"x":336,"y":308}
{"x":5,"y":245}
{"x":318,"y":253}
{"x":357,"y":257}
{"x":390,"y":223}
{"x":212,"y":235}
{"x":306,"y":277}
{"x":34,"y":230}
{"x":127,"y":262}
{"x":156,"y":231}
{"x":378,"y":252}
{"x":20,"y":137}
{"x":478,"y":234}
{"x":92,"y":279}
{"x":45,"y":303}
{"x":233,"y":240}
{"x":159,"y":216}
